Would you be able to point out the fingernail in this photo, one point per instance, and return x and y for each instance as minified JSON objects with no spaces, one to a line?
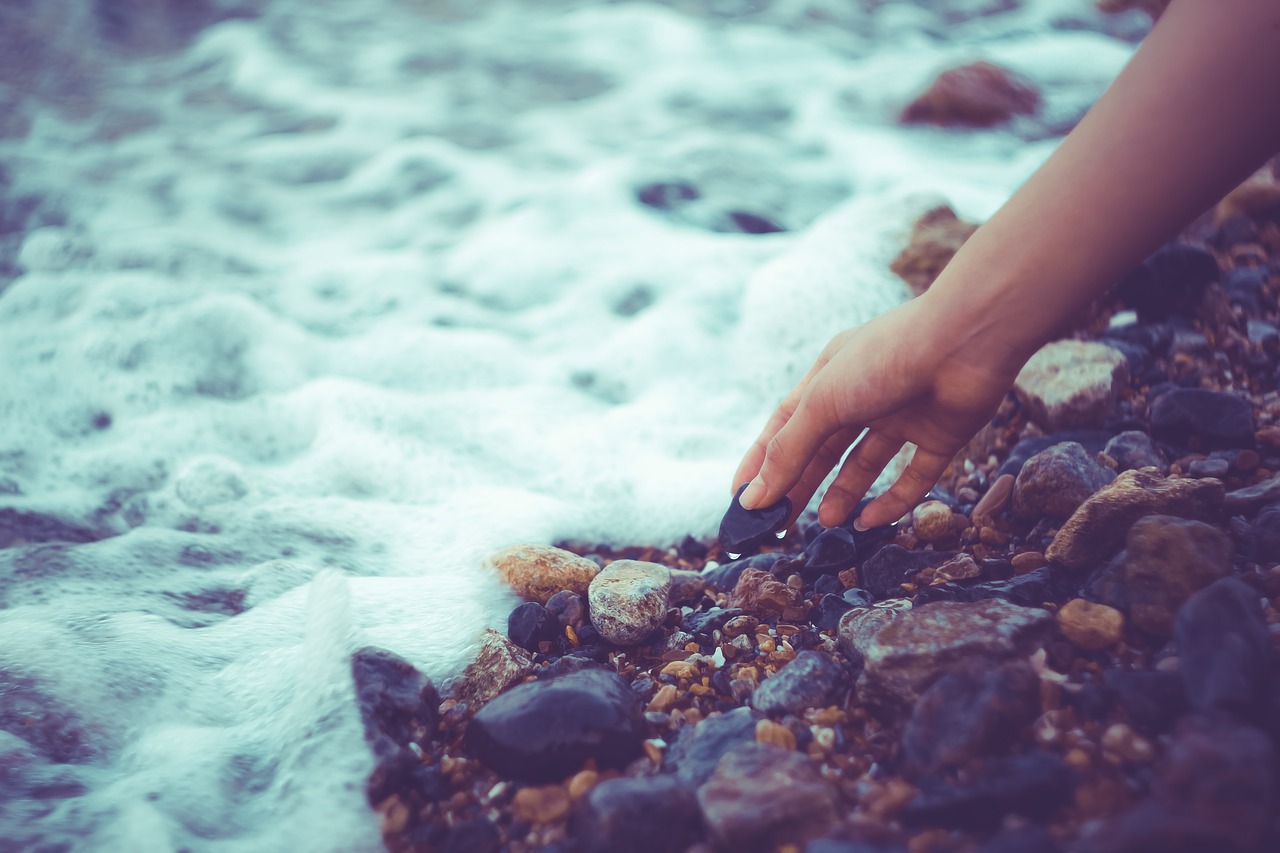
{"x":859,"y":526}
{"x":753,"y":494}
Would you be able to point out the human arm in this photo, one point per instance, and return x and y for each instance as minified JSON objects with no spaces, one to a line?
{"x":1194,"y":112}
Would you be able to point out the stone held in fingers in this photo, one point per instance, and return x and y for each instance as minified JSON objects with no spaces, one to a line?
{"x":1071,"y":384}
{"x":743,"y":531}
{"x":537,"y":572}
{"x":628,"y":600}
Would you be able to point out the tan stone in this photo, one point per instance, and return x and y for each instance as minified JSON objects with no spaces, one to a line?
{"x":961,"y":567}
{"x":1090,"y":626}
{"x":1027,"y":561}
{"x":628,"y":600}
{"x":1097,"y":530}
{"x":1071,"y":384}
{"x":767,"y":731}
{"x":537,"y":572}
{"x":541,"y":804}
{"x":933,"y":521}
{"x":991,"y":504}
{"x":499,"y":664}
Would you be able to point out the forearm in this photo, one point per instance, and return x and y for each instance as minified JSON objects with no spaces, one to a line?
{"x":1192,"y":115}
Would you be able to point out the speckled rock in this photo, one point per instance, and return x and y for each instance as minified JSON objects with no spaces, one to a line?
{"x":1133,"y":450}
{"x":1225,"y":651}
{"x":975,"y":710}
{"x":812,"y":680}
{"x":1071,"y":384}
{"x":537,"y":572}
{"x":1090,"y":626}
{"x":628,"y":600}
{"x":1167,"y":560}
{"x":933,"y":521}
{"x":762,"y":796}
{"x":499,"y":664}
{"x":545,"y":730}
{"x":860,"y":625}
{"x":911,"y":652}
{"x":1056,"y":481}
{"x":650,"y":814}
{"x":759,"y":591}
{"x":686,"y":586}
{"x":1097,"y":530}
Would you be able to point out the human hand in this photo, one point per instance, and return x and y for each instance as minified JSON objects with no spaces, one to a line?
{"x":906,"y":376}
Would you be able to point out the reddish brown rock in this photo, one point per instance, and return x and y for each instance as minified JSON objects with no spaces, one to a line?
{"x":935,"y":237}
{"x":537,"y":572}
{"x":980,"y":95}
{"x":499,"y":664}
{"x":759,"y":591}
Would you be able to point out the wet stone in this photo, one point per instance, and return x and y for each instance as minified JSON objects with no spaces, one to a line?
{"x":627,"y":601}
{"x":537,"y":572}
{"x":499,"y":664}
{"x":857,"y":597}
{"x":830,"y":553}
{"x":725,"y":577}
{"x":1225,"y":651}
{"x":1209,"y":468}
{"x":1034,"y":785}
{"x":812,"y":680}
{"x":666,"y":195}
{"x":1202,"y":420}
{"x":743,"y":531}
{"x":544,"y":731}
{"x":1167,"y":560}
{"x":697,"y":750}
{"x":654,"y":813}
{"x":974,"y":711}
{"x":1056,"y":481}
{"x":529,"y":624}
{"x":762,"y":796}
{"x":828,"y":585}
{"x":567,"y":608}
{"x":397,"y":702}
{"x":883,"y":573}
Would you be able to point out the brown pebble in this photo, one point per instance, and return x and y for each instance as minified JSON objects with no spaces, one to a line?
{"x":1247,"y":461}
{"x":993,"y":537}
{"x":680,"y":669}
{"x":933,"y":521}
{"x":665,"y":697}
{"x":395,"y":815}
{"x":582,"y":782}
{"x":739,"y":625}
{"x":849,"y":578}
{"x":541,"y":804}
{"x":767,"y":731}
{"x":1027,"y":561}
{"x":1124,"y":743}
{"x":1090,"y":626}
{"x":995,"y":500}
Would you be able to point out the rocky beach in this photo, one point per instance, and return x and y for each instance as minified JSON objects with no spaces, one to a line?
{"x":1071,"y":646}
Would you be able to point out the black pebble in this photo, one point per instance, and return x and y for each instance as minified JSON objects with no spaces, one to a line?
{"x":828,"y":585}
{"x":830,"y":609}
{"x":752,"y":223}
{"x":666,"y":195}
{"x":529,"y":624}
{"x":830,"y":553}
{"x":743,"y":531}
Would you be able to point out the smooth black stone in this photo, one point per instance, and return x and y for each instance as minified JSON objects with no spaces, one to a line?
{"x":666,"y":195}
{"x":830,"y":609}
{"x":831,"y":553}
{"x":1034,"y":785}
{"x":529,"y":624}
{"x":475,"y":836}
{"x":697,"y":749}
{"x":1172,"y":281}
{"x":828,"y":585}
{"x":1030,"y":590}
{"x":882,"y":573}
{"x":1092,"y":440}
{"x":651,"y":814}
{"x":691,"y":549}
{"x":1225,"y":650}
{"x":1152,"y":699}
{"x":704,"y":622}
{"x":812,"y":680}
{"x":858,"y":597}
{"x":743,"y":531}
{"x":397,"y":702}
{"x":1025,"y":839}
{"x":1202,"y":420}
{"x":544,"y":731}
{"x":1266,"y":535}
{"x":568,"y":608}
{"x":971,"y":712}
{"x":753,"y":223}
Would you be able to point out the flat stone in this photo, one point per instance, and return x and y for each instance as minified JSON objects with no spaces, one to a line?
{"x":743,"y":531}
{"x":1133,"y":450}
{"x":640,"y":815}
{"x":627,"y":601}
{"x":1097,"y":530}
{"x":1090,"y":626}
{"x":697,"y":750}
{"x":1202,"y":420}
{"x":537,"y":572}
{"x":1209,"y":468}
{"x":1225,"y":651}
{"x":543,"y":731}
{"x":1252,"y":498}
{"x":812,"y":680}
{"x":1167,"y":560}
{"x":1056,"y":481}
{"x":909,"y":653}
{"x":1071,"y":384}
{"x":762,"y":796}
{"x":974,"y":711}
{"x":498,"y":664}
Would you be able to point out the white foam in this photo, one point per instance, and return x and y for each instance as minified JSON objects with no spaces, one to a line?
{"x":334,"y":302}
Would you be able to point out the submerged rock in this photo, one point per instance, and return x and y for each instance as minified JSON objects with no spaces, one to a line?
{"x":743,"y":531}
{"x":544,"y":731}
{"x":1071,"y":384}
{"x":537,"y":572}
{"x":397,"y":702}
{"x":628,"y":600}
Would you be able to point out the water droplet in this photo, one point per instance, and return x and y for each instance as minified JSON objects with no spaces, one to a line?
{"x":733,"y":556}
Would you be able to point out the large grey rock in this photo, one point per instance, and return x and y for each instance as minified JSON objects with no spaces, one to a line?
{"x":628,"y":600}
{"x":1071,"y":384}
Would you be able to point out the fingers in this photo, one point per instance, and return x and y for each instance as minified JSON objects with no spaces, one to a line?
{"x":910,"y":488}
{"x":859,"y":471}
{"x":750,"y":465}
{"x":819,"y":467}
{"x":788,"y":454}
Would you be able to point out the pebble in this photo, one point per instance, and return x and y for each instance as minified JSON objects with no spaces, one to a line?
{"x":499,"y":664}
{"x":638,"y":815}
{"x":529,"y":624}
{"x":544,"y":731}
{"x":761,"y":592}
{"x":1027,"y":561}
{"x":883,"y":573}
{"x":972,"y":711}
{"x":698,"y":749}
{"x":1133,"y":450}
{"x":1209,"y":468}
{"x":831,"y":552}
{"x":743,"y":531}
{"x":761,"y":796}
{"x":397,"y":702}
{"x":1071,"y":384}
{"x":812,"y":680}
{"x":767,"y":731}
{"x":1226,"y":653}
{"x":933,"y":521}
{"x":1167,"y":560}
{"x":1056,"y":481}
{"x":1090,"y":626}
{"x":1202,"y":420}
{"x":1098,"y":528}
{"x":686,"y":586}
{"x":935,"y":238}
{"x":726,"y":576}
{"x":537,"y":572}
{"x":542,"y":804}
{"x":859,"y":626}
{"x":568,"y":608}
{"x":906,"y":655}
{"x":993,"y":503}
{"x":1172,"y":281}
{"x":627,"y":601}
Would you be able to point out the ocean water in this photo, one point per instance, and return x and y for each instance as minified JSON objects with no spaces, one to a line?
{"x":306,"y":306}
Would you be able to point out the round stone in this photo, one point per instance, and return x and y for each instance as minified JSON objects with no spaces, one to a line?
{"x":1090,"y":626}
